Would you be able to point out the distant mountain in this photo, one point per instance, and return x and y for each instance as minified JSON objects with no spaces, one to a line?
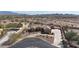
{"x":47,"y":12}
{"x":8,"y":13}
{"x":28,"y":14}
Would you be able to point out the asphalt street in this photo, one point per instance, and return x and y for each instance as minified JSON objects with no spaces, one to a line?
{"x":35,"y":42}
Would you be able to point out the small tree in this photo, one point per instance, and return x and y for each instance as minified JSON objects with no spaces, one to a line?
{"x":71,"y":36}
{"x":78,"y":42}
{"x":19,"y":25}
{"x":75,"y":38}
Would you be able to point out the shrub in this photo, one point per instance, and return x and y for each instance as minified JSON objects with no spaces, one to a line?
{"x":13,"y":25}
{"x":71,"y":36}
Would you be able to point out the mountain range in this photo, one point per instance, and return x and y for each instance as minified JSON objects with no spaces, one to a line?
{"x":30,"y":13}
{"x":7,"y":13}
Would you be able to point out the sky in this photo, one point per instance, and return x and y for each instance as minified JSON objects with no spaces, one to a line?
{"x":47,"y":12}
{"x":39,"y":5}
{"x":54,"y":6}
